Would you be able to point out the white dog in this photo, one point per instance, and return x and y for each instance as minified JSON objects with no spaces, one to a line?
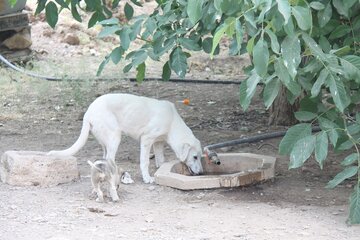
{"x":103,"y":171}
{"x":151,"y":121}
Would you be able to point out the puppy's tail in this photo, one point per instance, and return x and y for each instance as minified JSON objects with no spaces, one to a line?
{"x":80,"y":142}
{"x":94,"y":166}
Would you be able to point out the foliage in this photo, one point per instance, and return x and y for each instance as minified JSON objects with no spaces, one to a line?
{"x":309,"y":47}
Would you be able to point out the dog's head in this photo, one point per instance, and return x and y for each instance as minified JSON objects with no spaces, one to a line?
{"x":191,"y":156}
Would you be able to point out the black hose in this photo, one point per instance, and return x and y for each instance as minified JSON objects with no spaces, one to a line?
{"x":252,"y":139}
{"x":202,"y":81}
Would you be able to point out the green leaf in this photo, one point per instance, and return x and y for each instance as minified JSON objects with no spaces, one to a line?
{"x":106,"y":31}
{"x":12,"y":3}
{"x":74,"y":11}
{"x":284,"y":8}
{"x":125,"y":38}
{"x":314,"y":47}
{"x":354,"y":216}
{"x":351,"y":159}
{"x":51,"y":14}
{"x":315,"y":90}
{"x":62,"y":3}
{"x":341,"y":51}
{"x":324,"y":44}
{"x":166,"y":72}
{"x":261,"y":57}
{"x":324,"y":15}
{"x":193,"y":10}
{"x":340,"y":177}
{"x":333,"y":136}
{"x":305,"y":116}
{"x":351,"y":65}
{"x":116,"y":55}
{"x":289,"y":27}
{"x":220,"y":32}
{"x":291,"y":50}
{"x":40,"y":6}
{"x":228,"y":7}
{"x":138,"y":57}
{"x":136,"y":3}
{"x":340,"y":31}
{"x":293,"y":135}
{"x":135,"y":29}
{"x":249,"y":18}
{"x":250,"y":44}
{"x":275,"y":47}
{"x":189,"y":44}
{"x":303,"y":17}
{"x":127,"y":68}
{"x":244,"y":101}
{"x":301,"y":151}
{"x":115,"y":4}
{"x":93,"y":20}
{"x":140,"y":75}
{"x":357,"y":117}
{"x":129,"y":11}
{"x":321,"y":148}
{"x":207,"y":45}
{"x":178,"y":62}
{"x":338,"y":92}
{"x":228,"y":27}
{"x":102,"y":65}
{"x":345,"y":145}
{"x":282,"y":72}
{"x":317,"y":5}
{"x":251,"y":84}
{"x":353,"y":129}
{"x":248,"y":89}
{"x":110,"y":21}
{"x":343,"y":7}
{"x":239,"y":34}
{"x":271,"y":91}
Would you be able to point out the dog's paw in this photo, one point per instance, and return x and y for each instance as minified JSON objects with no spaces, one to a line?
{"x":100,"y":200}
{"x":148,"y":179}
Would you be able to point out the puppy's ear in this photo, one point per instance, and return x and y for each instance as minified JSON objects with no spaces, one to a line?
{"x":184,"y":152}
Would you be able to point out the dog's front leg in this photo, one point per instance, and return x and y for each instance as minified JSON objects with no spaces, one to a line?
{"x":144,"y":160}
{"x":99,"y":192}
{"x":159,"y":153}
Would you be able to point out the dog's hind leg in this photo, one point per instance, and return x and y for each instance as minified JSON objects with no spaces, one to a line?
{"x":106,"y":130}
{"x":146,"y":144}
{"x":159,"y":153}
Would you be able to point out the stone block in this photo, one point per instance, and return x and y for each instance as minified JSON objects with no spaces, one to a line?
{"x":28,"y":168}
{"x":236,"y":169}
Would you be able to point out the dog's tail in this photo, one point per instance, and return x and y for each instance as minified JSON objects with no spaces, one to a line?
{"x":80,"y":142}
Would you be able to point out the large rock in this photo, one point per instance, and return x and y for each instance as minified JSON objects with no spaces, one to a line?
{"x":71,"y":39}
{"x":26,"y":168}
{"x":19,"y":40}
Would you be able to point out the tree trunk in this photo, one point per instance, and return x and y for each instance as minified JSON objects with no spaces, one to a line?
{"x":281,"y":111}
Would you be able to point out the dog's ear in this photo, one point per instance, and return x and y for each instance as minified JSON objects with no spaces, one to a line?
{"x":184,"y":152}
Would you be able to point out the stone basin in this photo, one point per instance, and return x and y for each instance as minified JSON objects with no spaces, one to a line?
{"x":236,"y":169}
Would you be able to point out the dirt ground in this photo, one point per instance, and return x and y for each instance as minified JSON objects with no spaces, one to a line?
{"x":41,"y":115}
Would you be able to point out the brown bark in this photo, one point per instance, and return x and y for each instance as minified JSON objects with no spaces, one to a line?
{"x":281,"y":111}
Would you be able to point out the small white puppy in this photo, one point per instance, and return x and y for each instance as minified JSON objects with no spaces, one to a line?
{"x":152,"y":122}
{"x":103,"y":171}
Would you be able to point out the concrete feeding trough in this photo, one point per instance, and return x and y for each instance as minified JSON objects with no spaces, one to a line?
{"x":236,"y":169}
{"x":29,"y":168}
